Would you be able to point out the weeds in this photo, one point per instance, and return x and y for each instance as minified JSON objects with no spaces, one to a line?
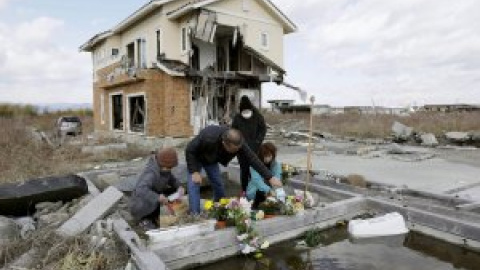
{"x":379,"y":126}
{"x":23,"y":158}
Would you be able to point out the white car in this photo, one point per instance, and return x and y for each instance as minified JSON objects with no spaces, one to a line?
{"x":69,"y":125}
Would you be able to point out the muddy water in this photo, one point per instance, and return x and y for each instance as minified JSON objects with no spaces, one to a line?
{"x":337,"y":252}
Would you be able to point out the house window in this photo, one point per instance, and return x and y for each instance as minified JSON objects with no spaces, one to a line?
{"x":245,"y":5}
{"x":102,"y":108}
{"x":130,"y":54}
{"x":159,"y":44}
{"x":264,"y":40}
{"x":116,"y":111}
{"x":184,"y":39}
{"x":136,"y":112}
{"x":142,"y":53}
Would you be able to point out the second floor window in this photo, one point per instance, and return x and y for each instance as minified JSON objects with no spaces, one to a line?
{"x":159,"y":44}
{"x":184,"y":39}
{"x":264,"y":40}
{"x":142,"y":53}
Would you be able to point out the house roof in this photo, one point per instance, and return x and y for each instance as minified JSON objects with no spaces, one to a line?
{"x":143,"y":11}
{"x":288,"y":25}
{"x":136,"y":16}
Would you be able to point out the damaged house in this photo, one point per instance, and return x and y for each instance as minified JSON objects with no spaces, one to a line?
{"x":175,"y":66}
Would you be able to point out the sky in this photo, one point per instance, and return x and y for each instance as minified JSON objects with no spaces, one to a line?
{"x":392,"y":53}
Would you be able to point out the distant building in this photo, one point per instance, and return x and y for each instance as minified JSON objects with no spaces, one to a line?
{"x":447,"y":108}
{"x":305,"y":109}
{"x":277,"y":104}
{"x":337,"y":110}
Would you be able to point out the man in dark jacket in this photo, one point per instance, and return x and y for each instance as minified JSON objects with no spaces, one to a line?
{"x":252,"y":125}
{"x":154,"y":185}
{"x":212,"y":146}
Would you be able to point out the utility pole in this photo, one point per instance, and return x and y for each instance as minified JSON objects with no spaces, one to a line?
{"x":309,"y":153}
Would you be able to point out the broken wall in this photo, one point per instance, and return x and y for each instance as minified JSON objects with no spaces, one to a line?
{"x":252,"y":22}
{"x":167,"y":103}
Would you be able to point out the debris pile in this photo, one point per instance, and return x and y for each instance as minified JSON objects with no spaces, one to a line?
{"x":404,"y":134}
{"x":74,"y":234}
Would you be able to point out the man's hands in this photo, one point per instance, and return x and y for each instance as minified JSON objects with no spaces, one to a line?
{"x":197,"y":178}
{"x":275,"y":182}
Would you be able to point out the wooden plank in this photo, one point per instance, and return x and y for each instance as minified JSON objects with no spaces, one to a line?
{"x":94,"y":210}
{"x":142,"y":257}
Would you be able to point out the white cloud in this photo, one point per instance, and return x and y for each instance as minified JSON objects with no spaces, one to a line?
{"x":4,"y":3}
{"x":37,"y":68}
{"x":398,"y":50}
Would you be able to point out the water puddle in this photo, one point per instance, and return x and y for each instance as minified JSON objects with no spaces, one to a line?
{"x":336,"y":252}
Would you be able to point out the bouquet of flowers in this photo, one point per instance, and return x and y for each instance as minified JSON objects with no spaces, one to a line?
{"x":237,"y":212}
{"x":217,"y":210}
{"x":293,"y":205}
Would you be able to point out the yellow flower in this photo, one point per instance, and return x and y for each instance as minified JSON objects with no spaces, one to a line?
{"x":224,"y":201}
{"x":208,"y":205}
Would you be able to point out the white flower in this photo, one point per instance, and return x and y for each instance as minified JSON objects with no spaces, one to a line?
{"x":272,"y":199}
{"x":245,"y":205}
{"x":247,"y":249}
{"x":242,"y":237}
{"x":260,"y":215}
{"x":265,"y":245}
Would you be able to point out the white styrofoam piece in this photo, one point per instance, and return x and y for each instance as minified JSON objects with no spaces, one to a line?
{"x":174,"y":196}
{"x":168,"y":234}
{"x":389,"y":224}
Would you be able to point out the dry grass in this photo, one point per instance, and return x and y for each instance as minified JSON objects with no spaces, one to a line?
{"x":379,"y":126}
{"x":75,"y":253}
{"x":23,"y":158}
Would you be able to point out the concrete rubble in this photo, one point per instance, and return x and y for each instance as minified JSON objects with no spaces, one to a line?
{"x":429,"y":139}
{"x":401,"y":132}
{"x":457,"y":137}
{"x":86,"y":217}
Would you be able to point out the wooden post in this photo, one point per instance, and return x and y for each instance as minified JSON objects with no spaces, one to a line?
{"x":309,"y":151}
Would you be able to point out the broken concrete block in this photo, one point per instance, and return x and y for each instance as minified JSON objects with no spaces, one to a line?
{"x":475,"y":136}
{"x":19,"y":199}
{"x":457,"y":137}
{"x":8,"y":230}
{"x":26,"y":225}
{"x":401,"y":131}
{"x":100,"y":149}
{"x":144,"y":258}
{"x":105,"y":180}
{"x":428,"y":140}
{"x":94,"y":210}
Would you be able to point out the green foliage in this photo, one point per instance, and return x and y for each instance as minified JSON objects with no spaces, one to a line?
{"x":16,"y":110}
{"x":314,"y":237}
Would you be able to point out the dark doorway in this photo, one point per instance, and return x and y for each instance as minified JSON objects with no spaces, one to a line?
{"x":117,"y":111}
